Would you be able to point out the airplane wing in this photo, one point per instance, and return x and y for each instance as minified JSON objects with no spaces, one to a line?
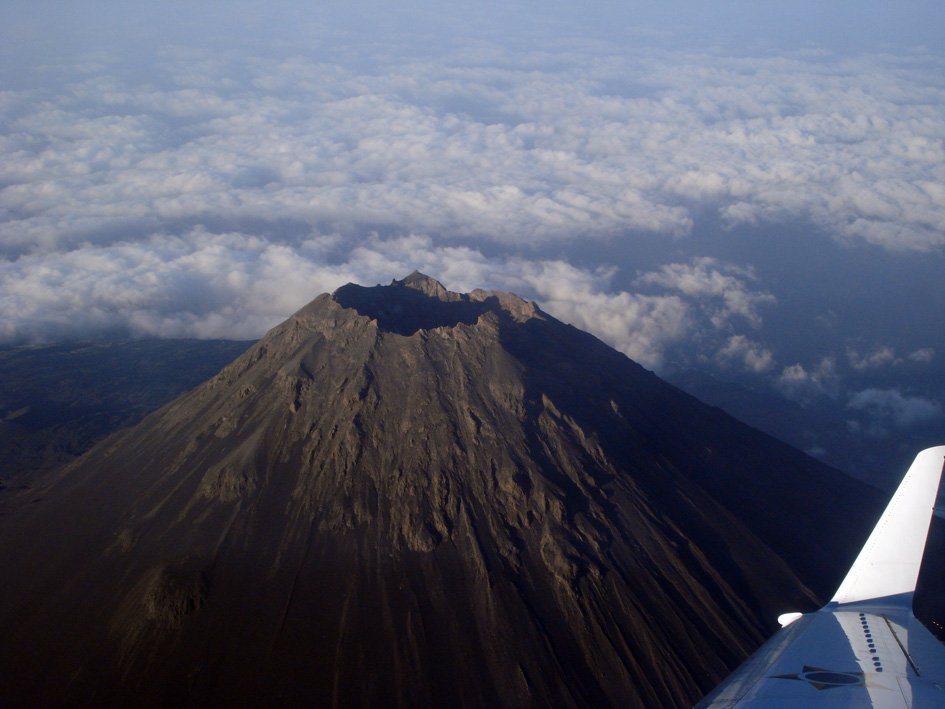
{"x":864,"y":648}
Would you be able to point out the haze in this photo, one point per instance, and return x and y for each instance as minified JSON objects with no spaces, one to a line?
{"x":753,"y":189}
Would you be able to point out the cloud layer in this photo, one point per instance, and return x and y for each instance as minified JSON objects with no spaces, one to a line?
{"x":496,"y":147}
{"x":211,"y":190}
{"x":236,"y":285}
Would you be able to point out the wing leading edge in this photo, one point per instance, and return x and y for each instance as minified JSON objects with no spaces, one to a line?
{"x":864,"y":648}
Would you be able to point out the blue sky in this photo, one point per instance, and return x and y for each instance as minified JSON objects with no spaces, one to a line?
{"x":752,"y":188}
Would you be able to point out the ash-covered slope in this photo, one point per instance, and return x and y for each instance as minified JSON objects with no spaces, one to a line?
{"x":406,"y":496}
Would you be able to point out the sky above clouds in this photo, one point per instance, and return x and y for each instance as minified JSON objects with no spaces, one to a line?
{"x":753,"y":188}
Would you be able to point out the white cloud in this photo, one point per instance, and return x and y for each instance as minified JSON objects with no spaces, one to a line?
{"x":462,"y":148}
{"x":892,"y":407}
{"x":884,"y":355}
{"x":803,"y":384}
{"x":924,"y":354}
{"x":721,"y":287}
{"x":486,"y":166}
{"x":751,"y":355}
{"x":200,"y":285}
{"x":205,"y":284}
{"x":230,"y":284}
{"x":641,"y":326}
{"x":880,"y":357}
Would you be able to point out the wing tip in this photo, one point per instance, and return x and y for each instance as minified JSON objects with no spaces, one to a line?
{"x":887,"y":567}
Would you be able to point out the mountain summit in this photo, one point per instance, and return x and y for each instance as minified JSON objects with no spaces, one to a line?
{"x":407,"y":496}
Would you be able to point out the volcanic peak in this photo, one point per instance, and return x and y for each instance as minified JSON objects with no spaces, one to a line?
{"x":511,"y":514}
{"x":425,"y":284}
{"x":419,"y":302}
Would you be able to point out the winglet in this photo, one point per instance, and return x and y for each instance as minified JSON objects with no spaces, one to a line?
{"x":888,"y":565}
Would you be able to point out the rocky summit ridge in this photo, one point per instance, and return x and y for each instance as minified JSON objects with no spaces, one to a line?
{"x":403,"y":496}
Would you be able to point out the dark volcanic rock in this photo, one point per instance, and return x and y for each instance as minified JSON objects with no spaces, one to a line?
{"x":406,"y":496}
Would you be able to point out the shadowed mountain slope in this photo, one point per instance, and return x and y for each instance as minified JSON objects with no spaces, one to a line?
{"x":406,"y":496}
{"x":56,"y":401}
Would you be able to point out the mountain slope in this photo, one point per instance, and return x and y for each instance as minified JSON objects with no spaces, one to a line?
{"x":410,"y":496}
{"x":56,"y":401}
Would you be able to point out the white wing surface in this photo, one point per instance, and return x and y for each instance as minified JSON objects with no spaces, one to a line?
{"x":864,"y":648}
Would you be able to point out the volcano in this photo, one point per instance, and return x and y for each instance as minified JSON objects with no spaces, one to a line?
{"x":407,"y":496}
